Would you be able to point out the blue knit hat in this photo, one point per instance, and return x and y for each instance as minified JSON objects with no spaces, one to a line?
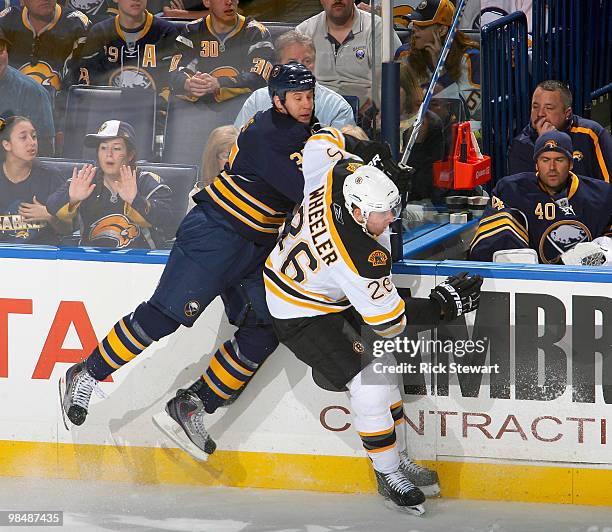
{"x":553,"y":141}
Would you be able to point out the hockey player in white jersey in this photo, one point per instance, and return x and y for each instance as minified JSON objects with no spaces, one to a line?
{"x":329,"y":290}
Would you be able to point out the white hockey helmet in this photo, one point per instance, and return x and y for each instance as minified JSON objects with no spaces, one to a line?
{"x":372,"y":191}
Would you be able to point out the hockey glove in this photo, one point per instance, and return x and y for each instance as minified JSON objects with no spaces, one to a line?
{"x":457,"y":295}
{"x":378,"y":154}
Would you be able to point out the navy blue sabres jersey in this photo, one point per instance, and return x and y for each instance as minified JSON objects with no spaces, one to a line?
{"x":241,"y":60}
{"x":522,"y":214}
{"x":42,"y":182}
{"x":109,"y":58}
{"x":47,"y":56}
{"x":108,"y":221}
{"x":262,"y":180}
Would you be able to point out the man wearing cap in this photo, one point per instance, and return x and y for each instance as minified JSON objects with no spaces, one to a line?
{"x":22,"y":96}
{"x":119,"y":206}
{"x":460,"y":76}
{"x":550,"y":210}
{"x":551,"y":108}
{"x":342,"y":36}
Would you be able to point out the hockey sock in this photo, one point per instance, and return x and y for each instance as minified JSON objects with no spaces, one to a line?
{"x":374,"y":423}
{"x":129,"y":337}
{"x":397,"y":413}
{"x":227,"y":372}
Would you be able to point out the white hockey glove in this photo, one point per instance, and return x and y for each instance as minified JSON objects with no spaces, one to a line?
{"x":458,"y":295}
{"x":595,"y":253}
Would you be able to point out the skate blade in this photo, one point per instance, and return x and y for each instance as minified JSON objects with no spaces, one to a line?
{"x":417,"y":510}
{"x":62,"y":391}
{"x":433,"y":490}
{"x":174,"y":431}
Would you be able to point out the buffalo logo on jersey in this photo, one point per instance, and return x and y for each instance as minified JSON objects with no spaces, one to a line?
{"x":89,"y":7}
{"x":360,"y":52}
{"x":131,"y":78}
{"x":191,"y":308}
{"x":561,"y":237}
{"x":577,"y":155}
{"x":42,"y":73}
{"x":378,"y":258}
{"x":115,"y":227}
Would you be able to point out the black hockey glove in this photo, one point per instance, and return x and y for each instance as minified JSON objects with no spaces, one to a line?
{"x":457,"y":295}
{"x":378,"y":154}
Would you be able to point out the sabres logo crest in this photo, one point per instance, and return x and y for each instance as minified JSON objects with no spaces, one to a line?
{"x":42,"y":73}
{"x":577,"y":155}
{"x":116,"y":228}
{"x":132,"y":78}
{"x":551,"y":144}
{"x":561,"y":237}
{"x":378,"y":258}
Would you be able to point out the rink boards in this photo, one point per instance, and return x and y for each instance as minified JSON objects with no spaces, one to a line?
{"x":537,"y":428}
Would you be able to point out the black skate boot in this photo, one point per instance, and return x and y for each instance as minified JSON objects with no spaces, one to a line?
{"x":183,"y":422}
{"x":400,"y":493}
{"x":74,"y":393}
{"x":424,"y":479}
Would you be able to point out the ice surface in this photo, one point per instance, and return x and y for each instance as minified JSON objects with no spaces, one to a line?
{"x":102,"y":506}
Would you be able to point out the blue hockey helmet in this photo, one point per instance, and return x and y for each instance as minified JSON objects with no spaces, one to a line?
{"x":290,"y":78}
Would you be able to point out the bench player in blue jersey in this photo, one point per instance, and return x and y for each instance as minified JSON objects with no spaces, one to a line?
{"x":220,"y":249}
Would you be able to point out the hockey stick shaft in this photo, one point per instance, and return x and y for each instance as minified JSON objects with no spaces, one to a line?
{"x":450,"y":36}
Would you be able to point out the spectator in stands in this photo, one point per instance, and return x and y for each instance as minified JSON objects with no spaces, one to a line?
{"x":46,"y":41}
{"x":132,"y":49}
{"x":22,"y":96}
{"x":215,"y":155}
{"x":550,"y":210}
{"x":25,"y":185}
{"x":551,"y":109}
{"x":331,"y":109}
{"x":222,"y":55}
{"x":120,"y":206}
{"x":460,"y":77}
{"x":342,"y":39}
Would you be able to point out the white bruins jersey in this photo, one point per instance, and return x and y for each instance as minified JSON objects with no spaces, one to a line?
{"x":326,"y":262}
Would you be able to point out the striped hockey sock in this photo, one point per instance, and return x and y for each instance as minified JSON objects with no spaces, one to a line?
{"x":122,"y":344}
{"x":227,"y":373}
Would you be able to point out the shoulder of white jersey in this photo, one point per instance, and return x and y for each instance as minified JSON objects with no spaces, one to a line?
{"x":364,"y":255}
{"x":329,"y":135}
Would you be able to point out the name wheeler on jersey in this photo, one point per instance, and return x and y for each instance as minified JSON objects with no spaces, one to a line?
{"x":110,"y":58}
{"x":523,"y":214}
{"x":240,"y":59}
{"x":327,"y":263}
{"x":262,"y":180}
{"x":45,"y":56}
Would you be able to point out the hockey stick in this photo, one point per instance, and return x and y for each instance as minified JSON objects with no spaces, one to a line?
{"x":434,"y":79}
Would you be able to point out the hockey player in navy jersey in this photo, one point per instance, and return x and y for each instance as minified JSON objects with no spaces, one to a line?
{"x":550,"y":210}
{"x":220,"y":249}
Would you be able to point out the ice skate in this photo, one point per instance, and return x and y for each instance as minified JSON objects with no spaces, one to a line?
{"x":75,"y":390}
{"x":401,"y":494}
{"x":183,"y":422}
{"x":424,"y":479}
